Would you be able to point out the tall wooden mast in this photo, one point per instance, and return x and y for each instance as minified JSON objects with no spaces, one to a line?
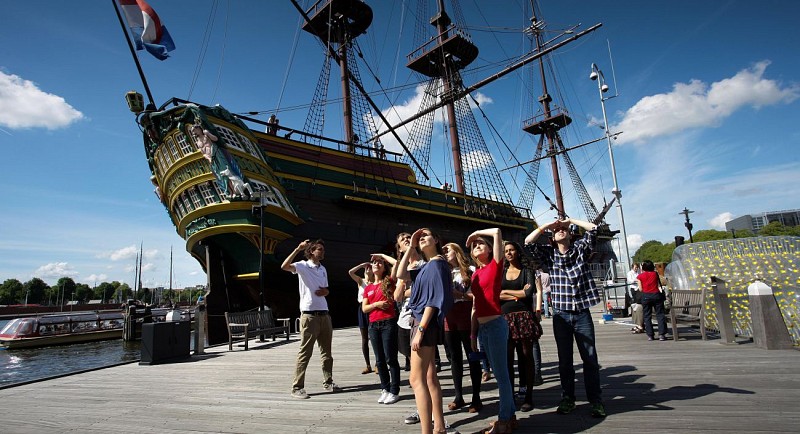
{"x":442,"y":58}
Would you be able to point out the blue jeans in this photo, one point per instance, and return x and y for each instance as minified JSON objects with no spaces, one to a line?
{"x":546,"y":304}
{"x":577,"y":326}
{"x":493,"y":337}
{"x":383,"y":336}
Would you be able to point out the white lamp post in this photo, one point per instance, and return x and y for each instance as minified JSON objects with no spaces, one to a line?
{"x":602,"y":88}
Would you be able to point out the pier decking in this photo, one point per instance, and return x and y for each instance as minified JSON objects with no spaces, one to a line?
{"x":687,"y":386}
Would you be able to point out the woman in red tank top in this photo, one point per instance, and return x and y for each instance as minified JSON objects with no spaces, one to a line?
{"x":652,"y":299}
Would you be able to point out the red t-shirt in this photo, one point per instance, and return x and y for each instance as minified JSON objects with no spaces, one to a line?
{"x":486,"y":289}
{"x":650,"y":283}
{"x":373,"y":294}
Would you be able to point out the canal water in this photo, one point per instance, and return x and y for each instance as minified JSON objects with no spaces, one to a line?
{"x":29,"y":364}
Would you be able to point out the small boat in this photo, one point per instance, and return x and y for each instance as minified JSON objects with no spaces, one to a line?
{"x":61,"y":329}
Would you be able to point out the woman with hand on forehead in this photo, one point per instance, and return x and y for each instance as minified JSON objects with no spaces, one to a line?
{"x":431,"y":299}
{"x":488,"y":324}
{"x":378,"y":303}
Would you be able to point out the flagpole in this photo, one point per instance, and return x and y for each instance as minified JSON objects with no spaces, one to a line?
{"x":135,"y":57}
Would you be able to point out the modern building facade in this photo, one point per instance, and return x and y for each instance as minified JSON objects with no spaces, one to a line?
{"x":755,"y":222}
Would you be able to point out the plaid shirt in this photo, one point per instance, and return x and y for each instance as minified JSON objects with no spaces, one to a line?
{"x":571,"y":283}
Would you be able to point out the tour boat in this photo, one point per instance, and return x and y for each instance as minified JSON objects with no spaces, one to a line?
{"x":61,"y":329}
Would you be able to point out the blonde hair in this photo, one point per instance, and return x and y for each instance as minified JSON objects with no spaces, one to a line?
{"x":463,"y":262}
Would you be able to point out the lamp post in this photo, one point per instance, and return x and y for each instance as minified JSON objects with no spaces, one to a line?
{"x":688,"y":224}
{"x":259,"y":211}
{"x":602,"y":88}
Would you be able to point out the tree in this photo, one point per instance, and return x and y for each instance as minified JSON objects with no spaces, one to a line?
{"x":123,"y":293}
{"x":63,"y":290}
{"x":83,"y":293}
{"x":711,"y":235}
{"x":777,"y":228}
{"x":10,"y":291}
{"x":36,"y":290}
{"x":104,"y":291}
{"x":654,"y":251}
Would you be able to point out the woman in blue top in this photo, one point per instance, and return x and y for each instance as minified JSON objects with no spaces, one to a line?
{"x":431,"y":299}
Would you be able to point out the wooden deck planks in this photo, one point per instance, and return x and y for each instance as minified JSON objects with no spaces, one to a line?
{"x":686,"y":386}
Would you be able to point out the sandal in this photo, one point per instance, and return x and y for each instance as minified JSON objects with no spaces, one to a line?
{"x":455,"y":405}
{"x":367,"y":370}
{"x":475,"y":407}
{"x":499,"y":427}
{"x":486,"y":376}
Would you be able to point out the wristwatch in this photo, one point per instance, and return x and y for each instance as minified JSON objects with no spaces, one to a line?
{"x":421,"y":328}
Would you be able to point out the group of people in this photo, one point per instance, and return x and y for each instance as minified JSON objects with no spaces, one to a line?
{"x":487,"y":306}
{"x":647,"y":295}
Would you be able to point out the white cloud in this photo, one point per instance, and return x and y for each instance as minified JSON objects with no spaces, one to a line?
{"x":128,"y":252}
{"x":96,"y":278}
{"x":634,"y":242}
{"x":27,"y":106}
{"x":718,"y":222}
{"x":696,"y":104}
{"x":55,"y":270}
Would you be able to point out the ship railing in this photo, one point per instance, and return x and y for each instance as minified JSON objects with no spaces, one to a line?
{"x":433,"y":42}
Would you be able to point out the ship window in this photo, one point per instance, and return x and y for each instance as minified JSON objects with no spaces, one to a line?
{"x":173,"y":150}
{"x":230,"y":137}
{"x":207,"y":193}
{"x":186,"y":203}
{"x":218,"y":190}
{"x":166,"y":156}
{"x":186,"y":147}
{"x":196,"y":199}
{"x":248,"y":145}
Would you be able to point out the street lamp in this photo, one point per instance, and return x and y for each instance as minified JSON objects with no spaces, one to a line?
{"x":602,"y":88}
{"x":688,"y":224}
{"x":259,"y":211}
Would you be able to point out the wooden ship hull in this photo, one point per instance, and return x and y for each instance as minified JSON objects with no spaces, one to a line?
{"x":356,"y":202}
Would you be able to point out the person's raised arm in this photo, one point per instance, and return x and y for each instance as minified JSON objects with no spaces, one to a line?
{"x":497,"y":241}
{"x":402,"y":266}
{"x":287,"y":263}
{"x":358,"y":279}
{"x":533,"y":236}
{"x":589,"y":226}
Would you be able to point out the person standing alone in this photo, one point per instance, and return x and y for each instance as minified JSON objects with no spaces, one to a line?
{"x":315,"y":323}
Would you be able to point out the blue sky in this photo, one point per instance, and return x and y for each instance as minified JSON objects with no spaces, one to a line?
{"x":708,"y":106}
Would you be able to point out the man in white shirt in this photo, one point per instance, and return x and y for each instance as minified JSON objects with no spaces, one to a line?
{"x":637,"y":317}
{"x":315,"y":322}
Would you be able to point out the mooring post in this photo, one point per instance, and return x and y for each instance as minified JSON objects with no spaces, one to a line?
{"x":769,"y":329}
{"x":723,"y":310}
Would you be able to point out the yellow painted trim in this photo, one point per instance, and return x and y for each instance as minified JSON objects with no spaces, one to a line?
{"x":228,"y":229}
{"x":437,"y":213}
{"x":233,"y":206}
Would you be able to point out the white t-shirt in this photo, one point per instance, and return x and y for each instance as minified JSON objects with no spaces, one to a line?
{"x":312,"y":278}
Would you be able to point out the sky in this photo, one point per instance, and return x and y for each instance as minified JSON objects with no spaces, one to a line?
{"x":707,"y":101}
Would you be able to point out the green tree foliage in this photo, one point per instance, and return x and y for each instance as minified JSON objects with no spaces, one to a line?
{"x":654,"y":251}
{"x":10,"y":291}
{"x":83,"y":293}
{"x":63,"y":290}
{"x":777,"y":229}
{"x":104,"y":291}
{"x":123,"y":293}
{"x":36,"y":290}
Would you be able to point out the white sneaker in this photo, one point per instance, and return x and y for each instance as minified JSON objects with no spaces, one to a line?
{"x":384,"y":395}
{"x":412,"y":418}
{"x":331,"y":387}
{"x":299,"y":394}
{"x":391,"y":398}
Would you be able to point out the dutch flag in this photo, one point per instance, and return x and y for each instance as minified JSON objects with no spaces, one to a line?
{"x":148,"y":32}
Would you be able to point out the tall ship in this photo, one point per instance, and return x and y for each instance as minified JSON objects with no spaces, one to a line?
{"x":244,"y":192}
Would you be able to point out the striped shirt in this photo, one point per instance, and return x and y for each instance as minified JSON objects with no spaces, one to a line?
{"x":572,"y":286}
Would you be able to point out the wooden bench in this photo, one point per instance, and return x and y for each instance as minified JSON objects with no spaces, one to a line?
{"x":245,"y":325}
{"x":688,"y":306}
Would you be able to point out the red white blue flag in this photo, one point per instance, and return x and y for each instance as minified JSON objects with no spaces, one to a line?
{"x":148,"y":32}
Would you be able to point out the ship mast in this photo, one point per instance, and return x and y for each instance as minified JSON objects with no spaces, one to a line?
{"x":443,"y":58}
{"x":551,"y":121}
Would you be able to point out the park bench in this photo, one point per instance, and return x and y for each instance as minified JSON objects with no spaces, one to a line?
{"x":245,"y":325}
{"x":688,"y":306}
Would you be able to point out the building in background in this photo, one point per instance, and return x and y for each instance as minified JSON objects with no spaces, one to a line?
{"x":754,"y":223}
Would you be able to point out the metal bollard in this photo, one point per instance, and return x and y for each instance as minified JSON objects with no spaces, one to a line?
{"x":769,"y":329}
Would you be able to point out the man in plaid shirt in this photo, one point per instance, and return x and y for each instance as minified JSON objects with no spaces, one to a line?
{"x":572,"y":293}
